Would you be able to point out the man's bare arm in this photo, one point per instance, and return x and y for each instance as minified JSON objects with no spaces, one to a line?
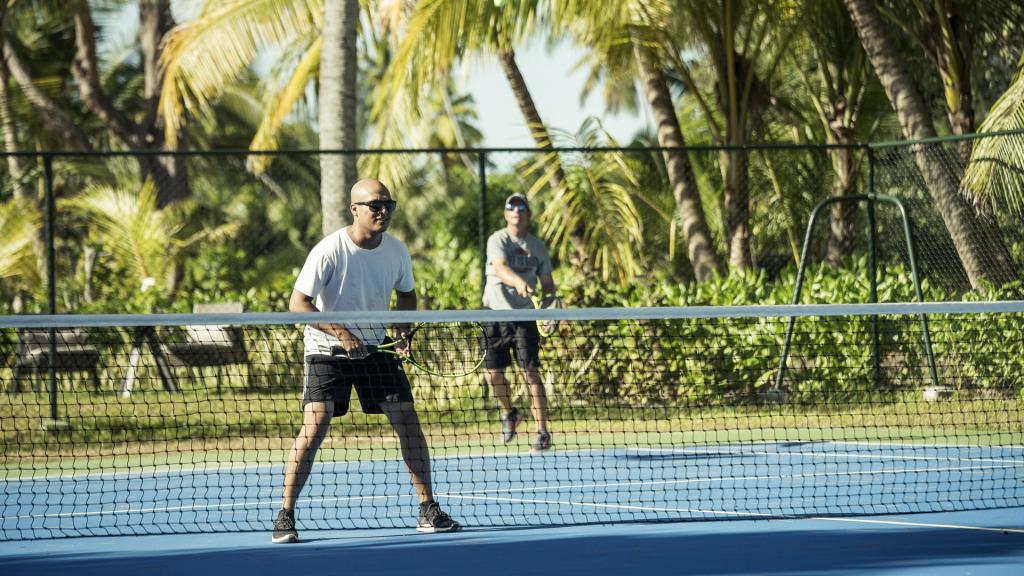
{"x":353,"y":346}
{"x":509,"y":277}
{"x":547,"y":285}
{"x":404,"y":301}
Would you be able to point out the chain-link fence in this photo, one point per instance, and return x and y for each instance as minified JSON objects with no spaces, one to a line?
{"x":134,"y":232}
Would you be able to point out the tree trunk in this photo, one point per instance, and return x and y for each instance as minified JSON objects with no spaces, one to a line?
{"x":700,"y":246}
{"x":16,"y":165}
{"x":56,"y":120}
{"x":337,"y":101}
{"x":541,"y":137}
{"x":16,"y":168}
{"x":958,"y":216}
{"x":841,"y":222}
{"x":737,"y":208}
{"x":155,"y":20}
{"x":168,"y":171}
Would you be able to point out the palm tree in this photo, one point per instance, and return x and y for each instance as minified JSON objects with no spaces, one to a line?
{"x":847,"y":101}
{"x":948,"y":33}
{"x":147,"y":241}
{"x":237,"y":31}
{"x":629,"y":40}
{"x":139,"y":130}
{"x":740,"y":44}
{"x":19,"y":229}
{"x":603,"y":190}
{"x":337,"y":102}
{"x":995,"y":174}
{"x":439,"y":32}
{"x":969,"y":238}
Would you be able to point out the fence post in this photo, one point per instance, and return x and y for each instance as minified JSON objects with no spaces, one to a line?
{"x":482,"y":224}
{"x":876,"y":374}
{"x":54,"y":424}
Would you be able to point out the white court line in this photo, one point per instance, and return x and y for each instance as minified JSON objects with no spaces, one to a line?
{"x":926,"y":445}
{"x":744,"y":514}
{"x":472,"y":494}
{"x":893,"y":471}
{"x":201,"y":467}
{"x":922,"y":524}
{"x":745,"y":452}
{"x":155,"y":510}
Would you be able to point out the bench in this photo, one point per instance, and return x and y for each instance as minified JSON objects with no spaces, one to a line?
{"x":73,"y":354}
{"x":211,"y":345}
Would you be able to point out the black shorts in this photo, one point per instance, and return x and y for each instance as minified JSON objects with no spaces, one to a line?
{"x":378,"y":378}
{"x":504,"y":337}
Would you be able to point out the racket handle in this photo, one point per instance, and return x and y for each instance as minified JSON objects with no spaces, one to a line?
{"x":341,"y":353}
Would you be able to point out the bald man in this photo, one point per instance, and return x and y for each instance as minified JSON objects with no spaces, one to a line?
{"x":356,"y":268}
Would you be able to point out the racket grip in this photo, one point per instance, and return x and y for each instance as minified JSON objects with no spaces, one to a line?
{"x":341,"y":353}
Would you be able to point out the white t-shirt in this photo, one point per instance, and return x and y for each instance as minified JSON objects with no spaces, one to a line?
{"x":340,"y":275}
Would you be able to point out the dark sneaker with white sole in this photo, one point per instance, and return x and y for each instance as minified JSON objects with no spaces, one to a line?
{"x":509,"y":422}
{"x":284,"y":528}
{"x":542,"y":442}
{"x":433,"y":519}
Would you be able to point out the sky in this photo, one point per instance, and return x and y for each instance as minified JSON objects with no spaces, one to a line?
{"x":556,"y":90}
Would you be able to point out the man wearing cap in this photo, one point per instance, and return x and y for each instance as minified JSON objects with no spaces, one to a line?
{"x":516,"y":260}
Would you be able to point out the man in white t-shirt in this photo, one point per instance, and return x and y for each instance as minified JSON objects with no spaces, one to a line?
{"x":356,"y":268}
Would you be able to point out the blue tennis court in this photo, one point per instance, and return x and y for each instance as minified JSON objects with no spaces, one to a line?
{"x":751,"y":481}
{"x":824,"y":497}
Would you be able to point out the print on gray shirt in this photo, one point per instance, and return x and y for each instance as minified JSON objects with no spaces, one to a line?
{"x":527,"y":257}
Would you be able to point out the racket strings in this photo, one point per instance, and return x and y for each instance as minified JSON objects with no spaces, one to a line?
{"x":448,"y":348}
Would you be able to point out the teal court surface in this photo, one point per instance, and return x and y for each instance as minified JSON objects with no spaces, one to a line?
{"x":763,"y":508}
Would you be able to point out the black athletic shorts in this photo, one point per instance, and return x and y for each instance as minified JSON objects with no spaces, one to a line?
{"x":505,"y":337}
{"x":378,"y":378}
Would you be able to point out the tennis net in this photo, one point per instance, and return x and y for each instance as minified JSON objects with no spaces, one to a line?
{"x":154,"y":424}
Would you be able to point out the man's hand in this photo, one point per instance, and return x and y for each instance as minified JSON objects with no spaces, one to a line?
{"x":402,"y":346}
{"x":524,"y":289}
{"x":353,"y":346}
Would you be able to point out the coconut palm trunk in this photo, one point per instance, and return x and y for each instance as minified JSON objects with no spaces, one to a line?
{"x":959,"y":217}
{"x":337,"y":101}
{"x":689,"y":208}
{"x":155,"y":21}
{"x":841,"y":221}
{"x":16,"y":168}
{"x":542,"y":139}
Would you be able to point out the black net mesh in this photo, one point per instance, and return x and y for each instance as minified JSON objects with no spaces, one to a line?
{"x":188,"y":428}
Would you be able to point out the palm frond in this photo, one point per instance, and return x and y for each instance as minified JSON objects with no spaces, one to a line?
{"x":140,"y":236}
{"x":995,"y":174}
{"x":201,"y":56}
{"x":281,"y":104}
{"x":19,"y":227}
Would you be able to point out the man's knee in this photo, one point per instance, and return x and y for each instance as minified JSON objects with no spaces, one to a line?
{"x":400,"y":413}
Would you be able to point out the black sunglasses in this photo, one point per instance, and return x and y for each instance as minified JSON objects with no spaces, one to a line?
{"x":378,"y":205}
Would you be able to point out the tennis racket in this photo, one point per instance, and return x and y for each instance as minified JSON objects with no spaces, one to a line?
{"x":448,"y":349}
{"x":548,"y":327}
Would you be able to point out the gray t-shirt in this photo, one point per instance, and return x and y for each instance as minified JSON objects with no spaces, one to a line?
{"x":527,"y":257}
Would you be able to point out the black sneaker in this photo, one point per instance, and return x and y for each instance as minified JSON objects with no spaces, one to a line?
{"x":508,"y":425}
{"x":284,"y":528}
{"x":542,"y":442}
{"x":433,"y":519}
